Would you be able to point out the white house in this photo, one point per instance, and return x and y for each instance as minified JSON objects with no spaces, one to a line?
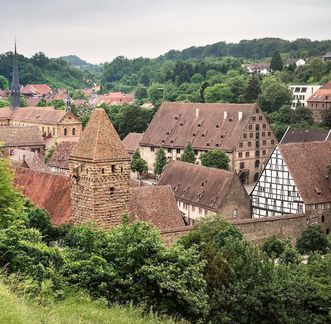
{"x":301,"y":93}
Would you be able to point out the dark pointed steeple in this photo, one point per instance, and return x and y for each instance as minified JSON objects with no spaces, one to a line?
{"x":68,"y":102}
{"x":15,"y":84}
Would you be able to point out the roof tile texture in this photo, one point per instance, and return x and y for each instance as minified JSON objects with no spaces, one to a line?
{"x":20,"y":136}
{"x":197,"y":184}
{"x":203,"y":125}
{"x":307,"y":164}
{"x":99,"y":141}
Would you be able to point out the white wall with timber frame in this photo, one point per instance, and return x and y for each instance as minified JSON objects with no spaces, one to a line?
{"x":275,"y":193}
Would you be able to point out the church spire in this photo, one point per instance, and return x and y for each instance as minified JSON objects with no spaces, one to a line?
{"x":15,"y":86}
{"x":68,"y":103}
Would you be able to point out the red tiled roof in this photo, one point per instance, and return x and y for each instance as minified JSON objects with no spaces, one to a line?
{"x":21,"y":136}
{"x":99,"y":140}
{"x":131,"y":141}
{"x":28,"y":158}
{"x":33,"y":101}
{"x":47,"y":115}
{"x":307,"y":164}
{"x":323,"y":94}
{"x":199,"y":185}
{"x":5,"y":113}
{"x":201,"y":124}
{"x":46,"y":190}
{"x":155,"y":205}
{"x":60,"y":157}
{"x":113,"y":98}
{"x":36,"y":89}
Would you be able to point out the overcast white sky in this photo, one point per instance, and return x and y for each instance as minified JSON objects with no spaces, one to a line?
{"x":99,"y":30}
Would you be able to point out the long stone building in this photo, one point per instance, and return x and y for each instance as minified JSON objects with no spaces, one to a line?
{"x":241,"y":130}
{"x":51,"y":122}
{"x":296,"y":180}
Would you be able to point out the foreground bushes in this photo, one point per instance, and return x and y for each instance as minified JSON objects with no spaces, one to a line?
{"x":213,"y":275}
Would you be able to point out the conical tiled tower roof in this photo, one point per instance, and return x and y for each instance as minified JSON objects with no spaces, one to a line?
{"x":99,"y":141}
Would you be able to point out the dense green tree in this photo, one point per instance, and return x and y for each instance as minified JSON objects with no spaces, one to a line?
{"x":160,"y":161}
{"x":253,"y":89}
{"x":11,"y":202}
{"x":289,"y":256}
{"x":274,"y":95}
{"x":218,"y":93}
{"x":303,"y":115}
{"x":188,"y":154}
{"x":4,"y":84}
{"x":215,"y":159}
{"x":138,"y":164}
{"x":155,"y":93}
{"x":276,"y":62}
{"x":274,"y":247}
{"x":312,"y":239}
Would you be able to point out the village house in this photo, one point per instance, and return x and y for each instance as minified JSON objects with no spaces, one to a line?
{"x":296,"y":180}
{"x":36,"y":90}
{"x":131,"y":142}
{"x":320,"y":101}
{"x":327,"y":57}
{"x":202,"y":191}
{"x":113,"y":98}
{"x":240,"y":130}
{"x":260,"y":68}
{"x":25,"y":138}
{"x":300,"y":94}
{"x":51,"y":122}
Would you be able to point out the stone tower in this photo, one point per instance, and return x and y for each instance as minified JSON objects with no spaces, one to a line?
{"x":99,"y":172}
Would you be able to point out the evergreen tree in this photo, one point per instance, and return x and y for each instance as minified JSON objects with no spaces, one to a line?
{"x":188,"y":154}
{"x":276,"y":62}
{"x":215,"y":159}
{"x":138,"y":164}
{"x":253,"y":89}
{"x":160,"y":161}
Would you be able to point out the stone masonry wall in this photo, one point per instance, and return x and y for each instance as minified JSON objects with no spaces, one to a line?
{"x":99,"y":192}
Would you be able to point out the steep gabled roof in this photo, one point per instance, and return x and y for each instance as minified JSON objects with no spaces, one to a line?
{"x":99,"y":141}
{"x":307,"y":164}
{"x":204,"y":125}
{"x":199,"y":185}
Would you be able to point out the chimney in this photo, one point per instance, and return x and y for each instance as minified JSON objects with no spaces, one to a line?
{"x":240,"y":115}
{"x":197,"y":112}
{"x":225,"y":115}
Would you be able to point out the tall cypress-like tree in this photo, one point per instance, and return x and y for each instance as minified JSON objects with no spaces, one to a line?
{"x":276,"y":62}
{"x":253,"y":89}
{"x":160,"y":161}
{"x":188,"y":154}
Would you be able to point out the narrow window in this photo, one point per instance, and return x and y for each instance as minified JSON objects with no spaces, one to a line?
{"x":111,"y":190}
{"x":65,"y":132}
{"x":74,"y":131}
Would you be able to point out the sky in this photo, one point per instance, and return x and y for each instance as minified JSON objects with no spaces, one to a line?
{"x":99,"y":30}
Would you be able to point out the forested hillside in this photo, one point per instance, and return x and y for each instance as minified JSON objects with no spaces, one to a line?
{"x":42,"y":69}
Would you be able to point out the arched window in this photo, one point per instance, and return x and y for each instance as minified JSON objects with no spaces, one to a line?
{"x":74,"y":131}
{"x":65,"y":132}
{"x":257,"y":163}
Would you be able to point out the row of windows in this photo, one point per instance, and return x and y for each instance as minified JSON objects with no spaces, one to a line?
{"x":247,"y":154}
{"x":257,"y":135}
{"x":254,"y":118}
{"x":264,"y":142}
{"x":319,"y":206}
